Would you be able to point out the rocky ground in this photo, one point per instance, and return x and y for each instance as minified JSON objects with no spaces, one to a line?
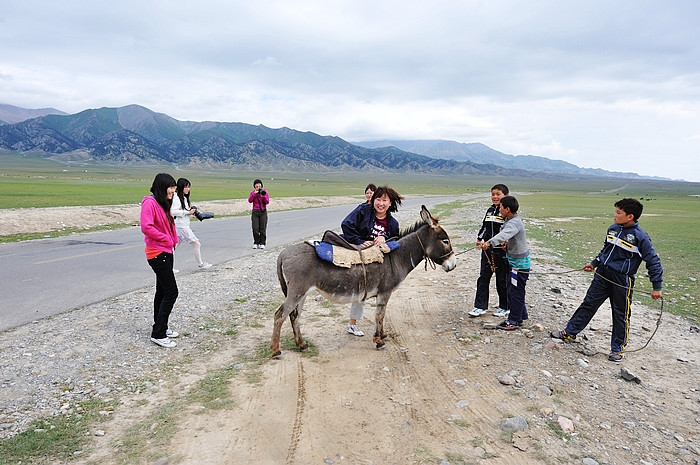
{"x":446,"y":389}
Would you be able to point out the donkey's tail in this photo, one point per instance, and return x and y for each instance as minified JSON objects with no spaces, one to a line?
{"x":280,"y":276}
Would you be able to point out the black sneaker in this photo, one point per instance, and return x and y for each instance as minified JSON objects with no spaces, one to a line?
{"x":615,"y":357}
{"x":563,"y":335}
{"x":508,"y":325}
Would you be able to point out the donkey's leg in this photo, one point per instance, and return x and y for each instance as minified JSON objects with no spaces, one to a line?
{"x":276,"y":329}
{"x":294,"y":319}
{"x":379,"y":334}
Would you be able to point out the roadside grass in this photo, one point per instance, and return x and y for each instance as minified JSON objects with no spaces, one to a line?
{"x":264,"y":353}
{"x":572,"y":227}
{"x":151,"y":437}
{"x":32,"y":181}
{"x":61,"y":232}
{"x":57,"y":438}
{"x":213,"y":391}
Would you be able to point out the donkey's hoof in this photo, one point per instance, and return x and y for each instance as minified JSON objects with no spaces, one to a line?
{"x":380,"y":344}
{"x":304,"y":346}
{"x":277,"y":355}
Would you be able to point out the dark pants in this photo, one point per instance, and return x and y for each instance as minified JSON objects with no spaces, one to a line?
{"x":166,"y":293}
{"x":259,"y":219}
{"x":483,"y":283}
{"x":516,"y":294}
{"x":618,"y":289}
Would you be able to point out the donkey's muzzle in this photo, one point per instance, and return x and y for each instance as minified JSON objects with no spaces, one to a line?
{"x":450,"y":263}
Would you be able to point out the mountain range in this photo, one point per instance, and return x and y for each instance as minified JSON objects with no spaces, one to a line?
{"x":136,"y":135}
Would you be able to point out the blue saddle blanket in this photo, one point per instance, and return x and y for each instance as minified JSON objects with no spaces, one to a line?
{"x":345,"y":258}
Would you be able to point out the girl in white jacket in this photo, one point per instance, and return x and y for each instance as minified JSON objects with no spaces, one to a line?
{"x":182,"y":211}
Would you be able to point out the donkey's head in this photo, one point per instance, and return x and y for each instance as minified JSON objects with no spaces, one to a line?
{"x":436,"y":244}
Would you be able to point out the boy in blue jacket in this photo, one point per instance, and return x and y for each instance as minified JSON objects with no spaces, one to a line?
{"x":626,"y":246}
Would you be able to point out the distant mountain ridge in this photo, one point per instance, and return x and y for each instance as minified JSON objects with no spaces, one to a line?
{"x":136,"y":135}
{"x":10,"y":114}
{"x":480,"y":153}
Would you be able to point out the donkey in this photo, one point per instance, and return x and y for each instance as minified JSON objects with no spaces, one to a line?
{"x":300,"y":270}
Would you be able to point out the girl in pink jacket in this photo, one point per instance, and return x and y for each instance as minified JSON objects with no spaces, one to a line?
{"x":160,"y":236}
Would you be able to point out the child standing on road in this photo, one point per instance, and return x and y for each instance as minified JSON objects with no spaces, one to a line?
{"x":181,"y":211}
{"x":160,"y":236}
{"x":626,"y":246}
{"x":493,"y":261}
{"x":512,"y":237}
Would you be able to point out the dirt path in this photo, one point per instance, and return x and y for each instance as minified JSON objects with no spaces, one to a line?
{"x":433,"y":394}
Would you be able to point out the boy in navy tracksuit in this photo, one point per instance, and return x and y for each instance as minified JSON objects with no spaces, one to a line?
{"x":493,"y":261}
{"x":626,"y":246}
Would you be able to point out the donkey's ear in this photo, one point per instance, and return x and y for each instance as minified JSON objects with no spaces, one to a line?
{"x":427,"y":217}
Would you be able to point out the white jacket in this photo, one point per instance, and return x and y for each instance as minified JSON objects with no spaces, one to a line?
{"x":180,"y":213}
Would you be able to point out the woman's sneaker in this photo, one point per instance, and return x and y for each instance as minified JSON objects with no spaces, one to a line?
{"x":165,"y":342}
{"x":171,"y":333}
{"x":204,"y":265}
{"x":355,"y":331}
{"x":615,"y":357}
{"x":477,"y":312}
{"x":501,"y":313}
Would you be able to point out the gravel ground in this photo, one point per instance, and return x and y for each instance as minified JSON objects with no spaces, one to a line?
{"x":103,"y":351}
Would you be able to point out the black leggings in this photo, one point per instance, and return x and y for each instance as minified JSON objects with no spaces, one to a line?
{"x":166,"y":293}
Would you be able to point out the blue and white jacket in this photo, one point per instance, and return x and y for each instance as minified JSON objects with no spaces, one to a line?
{"x":493,"y":221}
{"x":624,"y":250}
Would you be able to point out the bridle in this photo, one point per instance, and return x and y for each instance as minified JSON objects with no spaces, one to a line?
{"x":429,"y":260}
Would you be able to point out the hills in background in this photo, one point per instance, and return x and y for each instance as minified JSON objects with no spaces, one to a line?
{"x":10,"y":114}
{"x":479,"y":153}
{"x":136,"y":135}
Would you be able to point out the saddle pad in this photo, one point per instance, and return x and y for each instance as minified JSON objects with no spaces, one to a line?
{"x":345,"y":258}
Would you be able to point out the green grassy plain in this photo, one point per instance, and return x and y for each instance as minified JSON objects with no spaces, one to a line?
{"x":569,"y":217}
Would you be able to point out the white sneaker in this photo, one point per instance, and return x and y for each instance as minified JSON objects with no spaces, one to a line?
{"x":165,"y":342}
{"x":261,"y":246}
{"x":175,"y":271}
{"x":255,"y":246}
{"x":501,"y":313}
{"x":171,"y":333}
{"x":354,"y":330}
{"x":204,"y":265}
{"x":477,"y":312}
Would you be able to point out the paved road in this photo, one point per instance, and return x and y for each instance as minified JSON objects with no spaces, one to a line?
{"x":51,"y":276}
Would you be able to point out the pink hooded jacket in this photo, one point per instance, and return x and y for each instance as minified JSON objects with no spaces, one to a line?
{"x":158,"y":232}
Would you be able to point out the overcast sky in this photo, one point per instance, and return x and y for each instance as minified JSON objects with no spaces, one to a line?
{"x":601,"y":84}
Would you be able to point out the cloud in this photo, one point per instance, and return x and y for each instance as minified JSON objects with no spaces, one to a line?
{"x":597,"y":83}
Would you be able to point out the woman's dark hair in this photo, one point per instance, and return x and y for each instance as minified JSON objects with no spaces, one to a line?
{"x":370,"y":186}
{"x":159,"y":189}
{"x":181,"y":184}
{"x":392,"y":194}
{"x":257,"y":181}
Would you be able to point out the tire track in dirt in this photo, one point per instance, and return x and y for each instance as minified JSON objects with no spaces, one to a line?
{"x":298,"y":414}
